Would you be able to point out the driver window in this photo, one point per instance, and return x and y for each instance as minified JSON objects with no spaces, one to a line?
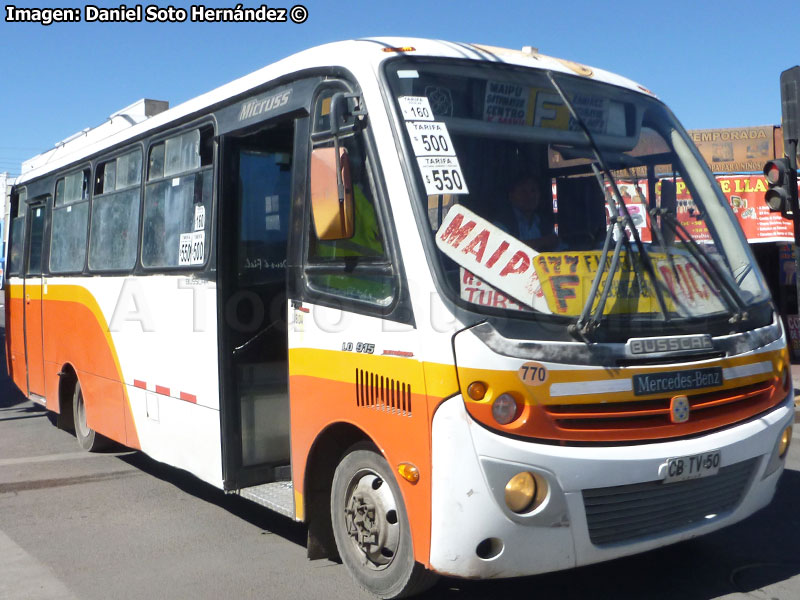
{"x":347,"y":267}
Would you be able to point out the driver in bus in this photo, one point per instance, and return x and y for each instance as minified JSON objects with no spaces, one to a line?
{"x":522,"y":217}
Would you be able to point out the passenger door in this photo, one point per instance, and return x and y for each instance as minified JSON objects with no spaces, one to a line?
{"x":254,"y":222}
{"x":33,"y":296}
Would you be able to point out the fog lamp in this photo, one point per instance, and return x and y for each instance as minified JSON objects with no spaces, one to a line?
{"x":520,"y":492}
{"x":505,"y":409}
{"x":786,"y":439}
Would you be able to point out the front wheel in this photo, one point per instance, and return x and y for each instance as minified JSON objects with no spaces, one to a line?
{"x":371,"y":528}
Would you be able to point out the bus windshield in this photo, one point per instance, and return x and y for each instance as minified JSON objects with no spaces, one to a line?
{"x":550,"y":195}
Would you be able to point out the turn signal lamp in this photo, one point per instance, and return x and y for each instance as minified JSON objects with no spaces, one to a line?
{"x":505,"y":409}
{"x":477,"y":390}
{"x":786,"y":439}
{"x":408,"y":472}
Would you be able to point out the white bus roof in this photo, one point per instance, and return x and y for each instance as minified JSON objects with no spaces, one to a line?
{"x":146,"y":115}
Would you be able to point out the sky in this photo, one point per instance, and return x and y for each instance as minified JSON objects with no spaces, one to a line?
{"x":715,"y":63}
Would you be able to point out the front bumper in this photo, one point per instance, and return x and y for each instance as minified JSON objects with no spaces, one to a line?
{"x":473,"y":534}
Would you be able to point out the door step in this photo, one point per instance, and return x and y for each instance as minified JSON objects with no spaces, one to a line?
{"x":37,"y":399}
{"x":277,"y":496}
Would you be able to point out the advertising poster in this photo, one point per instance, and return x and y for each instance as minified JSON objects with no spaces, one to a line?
{"x":745,"y":194}
{"x":732,"y":150}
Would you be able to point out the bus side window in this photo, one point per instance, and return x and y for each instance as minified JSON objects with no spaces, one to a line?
{"x":357,"y":267}
{"x":178,"y":201}
{"x":70,"y":223}
{"x":114,"y":232}
{"x":36,"y":231}
{"x":17,"y":233}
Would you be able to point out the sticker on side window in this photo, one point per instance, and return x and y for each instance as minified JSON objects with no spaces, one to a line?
{"x":185,"y":250}
{"x":198,"y":254}
{"x":199,"y":217}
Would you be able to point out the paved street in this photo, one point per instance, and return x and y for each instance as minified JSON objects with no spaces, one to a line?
{"x":118,"y":525}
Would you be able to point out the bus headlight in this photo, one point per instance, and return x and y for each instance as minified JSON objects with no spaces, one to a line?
{"x":505,"y":409}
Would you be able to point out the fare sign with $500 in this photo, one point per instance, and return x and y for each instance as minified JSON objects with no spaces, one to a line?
{"x":498,"y":258}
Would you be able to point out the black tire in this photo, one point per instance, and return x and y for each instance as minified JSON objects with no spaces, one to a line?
{"x":88,"y":438}
{"x":371,"y":528}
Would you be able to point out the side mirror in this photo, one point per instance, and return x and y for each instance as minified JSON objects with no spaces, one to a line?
{"x":332,"y":194}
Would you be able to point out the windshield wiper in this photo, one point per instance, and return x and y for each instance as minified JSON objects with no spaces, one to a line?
{"x":584,"y":324}
{"x":728,"y":291}
{"x":655,"y":229}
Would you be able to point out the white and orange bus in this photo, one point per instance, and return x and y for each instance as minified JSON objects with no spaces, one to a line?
{"x":335,"y":287}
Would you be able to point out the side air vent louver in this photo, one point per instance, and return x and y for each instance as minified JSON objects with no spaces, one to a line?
{"x":382,"y":393}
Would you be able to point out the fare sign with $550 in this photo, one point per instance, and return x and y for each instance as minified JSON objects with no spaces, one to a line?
{"x":490,"y":253}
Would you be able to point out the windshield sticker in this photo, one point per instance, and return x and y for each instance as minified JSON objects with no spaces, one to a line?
{"x":475,"y":290}
{"x":493,"y":255}
{"x":430,"y":138}
{"x":441,"y":100}
{"x":415,"y":108}
{"x":567,"y":277}
{"x":687,"y":284}
{"x":545,"y":108}
{"x":506,"y":103}
{"x":442,"y":175}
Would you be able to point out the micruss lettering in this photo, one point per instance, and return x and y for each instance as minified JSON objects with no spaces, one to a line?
{"x":43,"y":16}
{"x":253,"y":108}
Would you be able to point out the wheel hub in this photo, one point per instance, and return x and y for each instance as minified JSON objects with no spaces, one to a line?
{"x":371,"y":519}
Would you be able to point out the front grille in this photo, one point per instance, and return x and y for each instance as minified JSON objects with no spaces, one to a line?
{"x":650,"y":419}
{"x":628,"y":513}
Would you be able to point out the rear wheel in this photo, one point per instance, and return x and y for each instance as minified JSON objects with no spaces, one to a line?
{"x":88,"y":438}
{"x":371,"y":528}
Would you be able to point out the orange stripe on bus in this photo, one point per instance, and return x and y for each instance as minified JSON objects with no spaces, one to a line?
{"x":80,"y":336}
